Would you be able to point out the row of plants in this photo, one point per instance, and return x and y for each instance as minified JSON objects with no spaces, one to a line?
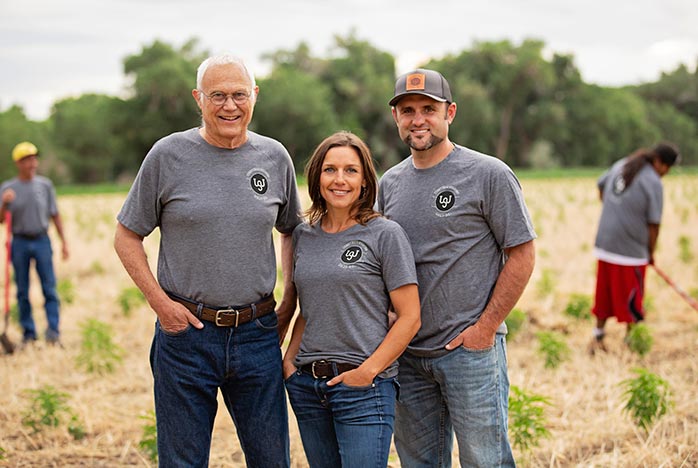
{"x":646,"y":396}
{"x":48,"y":407}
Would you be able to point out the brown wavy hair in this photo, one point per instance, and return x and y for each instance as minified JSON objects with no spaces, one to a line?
{"x":313,"y":170}
{"x":666,"y":152}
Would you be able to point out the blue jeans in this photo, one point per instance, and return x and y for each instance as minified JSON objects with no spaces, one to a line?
{"x":343,"y":426}
{"x":466,"y":391}
{"x":23,"y":252}
{"x":245,"y":364}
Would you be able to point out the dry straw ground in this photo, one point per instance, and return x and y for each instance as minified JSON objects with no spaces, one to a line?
{"x":587,"y":425}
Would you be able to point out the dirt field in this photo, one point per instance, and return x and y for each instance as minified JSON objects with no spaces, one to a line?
{"x":585,"y":418}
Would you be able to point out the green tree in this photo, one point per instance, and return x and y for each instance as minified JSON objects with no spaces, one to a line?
{"x":357,"y":83}
{"x":475,"y":125}
{"x":679,"y":88}
{"x":520,"y":85}
{"x":603,"y":124}
{"x":677,"y":127}
{"x":673,"y":104}
{"x":162,"y":78}
{"x":14,"y":128}
{"x":84,"y":133}
{"x":299,"y":59}
{"x":362,"y":78}
{"x":296,"y":109}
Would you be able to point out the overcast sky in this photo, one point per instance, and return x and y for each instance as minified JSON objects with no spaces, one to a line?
{"x":52,"y":49}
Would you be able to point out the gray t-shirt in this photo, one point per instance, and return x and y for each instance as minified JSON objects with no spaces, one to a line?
{"x":459,"y":216}
{"x":627,"y":211}
{"x":215,"y":208}
{"x":343,"y":281}
{"x":33,"y":206}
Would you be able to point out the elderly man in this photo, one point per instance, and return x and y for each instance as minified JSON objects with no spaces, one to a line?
{"x":31,"y":200}
{"x":215,"y":192}
{"x":472,"y":238}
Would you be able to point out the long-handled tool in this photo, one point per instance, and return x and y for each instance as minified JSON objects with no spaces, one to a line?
{"x":7,"y":344}
{"x":692,"y":302}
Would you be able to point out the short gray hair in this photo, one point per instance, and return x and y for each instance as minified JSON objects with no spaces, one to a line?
{"x":224,"y":59}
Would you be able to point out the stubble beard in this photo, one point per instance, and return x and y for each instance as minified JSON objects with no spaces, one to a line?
{"x":430,"y":143}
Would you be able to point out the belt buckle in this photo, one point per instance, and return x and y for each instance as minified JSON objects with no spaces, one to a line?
{"x":226,"y":311}
{"x":312,"y":368}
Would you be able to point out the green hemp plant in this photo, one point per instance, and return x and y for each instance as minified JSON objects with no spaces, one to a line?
{"x":98,"y":353}
{"x":66,"y":291}
{"x":130,"y":298}
{"x":514,"y":322}
{"x":527,"y":418}
{"x":639,"y":339}
{"x":648,"y":397}
{"x":47,"y":408}
{"x":579,"y":307}
{"x":553,"y":348}
{"x":149,"y":441}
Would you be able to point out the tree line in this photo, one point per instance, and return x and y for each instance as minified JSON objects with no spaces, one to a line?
{"x":513,"y":103}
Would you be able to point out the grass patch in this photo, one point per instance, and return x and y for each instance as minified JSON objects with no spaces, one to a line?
{"x":93,"y":189}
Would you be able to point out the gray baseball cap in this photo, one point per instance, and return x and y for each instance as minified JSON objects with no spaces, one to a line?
{"x":428,"y":83}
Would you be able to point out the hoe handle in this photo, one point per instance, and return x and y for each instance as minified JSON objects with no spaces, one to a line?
{"x":8,"y":253}
{"x":692,"y":302}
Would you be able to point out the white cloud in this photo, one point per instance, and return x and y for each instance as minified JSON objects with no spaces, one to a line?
{"x":78,"y":46}
{"x":667,"y":54}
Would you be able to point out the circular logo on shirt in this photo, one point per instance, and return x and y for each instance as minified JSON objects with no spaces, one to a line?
{"x":618,"y":185}
{"x":445,"y":200}
{"x":259,"y":183}
{"x":351,"y":254}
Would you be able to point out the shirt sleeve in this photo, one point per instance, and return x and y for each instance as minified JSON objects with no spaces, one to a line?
{"x":290,"y":213}
{"x":397,"y":259}
{"x":505,"y":210}
{"x":141,"y":210}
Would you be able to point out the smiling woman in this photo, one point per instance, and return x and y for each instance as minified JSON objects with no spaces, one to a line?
{"x":340,"y":365}
{"x":341,"y":185}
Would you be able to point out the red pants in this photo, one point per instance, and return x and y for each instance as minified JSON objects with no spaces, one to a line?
{"x":619,"y":292}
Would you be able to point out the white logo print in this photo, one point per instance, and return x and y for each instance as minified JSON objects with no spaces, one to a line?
{"x":351,"y":255}
{"x":443,"y":199}
{"x":258,"y":183}
{"x":619,"y":185}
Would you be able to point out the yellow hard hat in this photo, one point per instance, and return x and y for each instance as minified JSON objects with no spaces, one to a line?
{"x":24,"y":149}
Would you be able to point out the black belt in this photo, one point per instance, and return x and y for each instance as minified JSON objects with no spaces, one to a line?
{"x":324,"y":369}
{"x":29,"y":236}
{"x":227,"y":316}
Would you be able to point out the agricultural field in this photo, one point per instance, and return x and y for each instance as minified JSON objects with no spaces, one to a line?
{"x":89,"y":402}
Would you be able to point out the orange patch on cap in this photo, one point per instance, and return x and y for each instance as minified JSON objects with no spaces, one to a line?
{"x":415,"y":81}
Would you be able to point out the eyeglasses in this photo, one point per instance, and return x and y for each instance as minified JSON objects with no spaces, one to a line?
{"x":218,"y":99}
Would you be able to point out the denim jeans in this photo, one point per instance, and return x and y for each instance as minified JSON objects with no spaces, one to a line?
{"x":23,"y":252}
{"x":343,"y":426}
{"x":466,"y":391}
{"x":245,"y":364}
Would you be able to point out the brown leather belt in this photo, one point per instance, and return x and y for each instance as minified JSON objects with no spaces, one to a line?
{"x":325,"y":369}
{"x":29,"y":236}
{"x":227,"y":316}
